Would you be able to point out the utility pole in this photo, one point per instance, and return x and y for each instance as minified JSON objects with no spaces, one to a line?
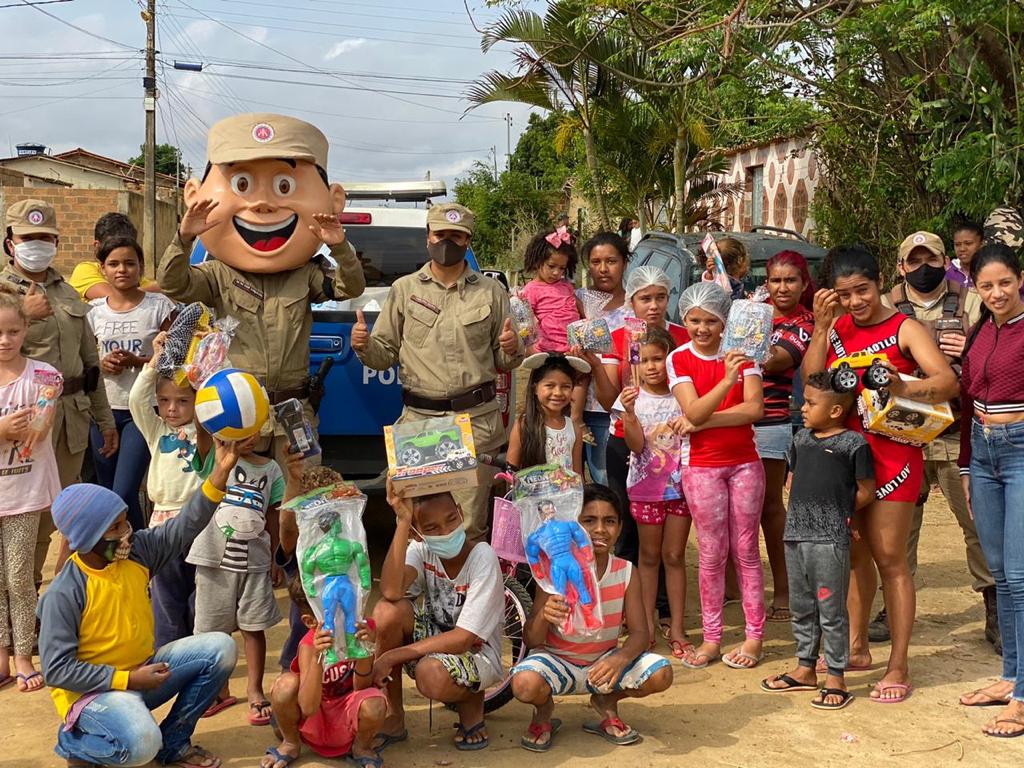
{"x":508,"y":141}
{"x":494,"y":157}
{"x":149,"y":84}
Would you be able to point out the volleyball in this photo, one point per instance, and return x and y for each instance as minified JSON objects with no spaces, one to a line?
{"x":232,"y":405}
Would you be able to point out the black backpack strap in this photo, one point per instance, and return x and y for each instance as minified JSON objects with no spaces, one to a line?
{"x":898,"y":297}
{"x":953,"y":303}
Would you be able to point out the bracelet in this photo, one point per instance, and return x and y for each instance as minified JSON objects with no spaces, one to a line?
{"x":357,"y":673}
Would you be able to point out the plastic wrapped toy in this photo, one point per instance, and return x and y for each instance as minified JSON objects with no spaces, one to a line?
{"x":333,"y":562}
{"x":292,"y":417}
{"x":211,"y":352}
{"x":558,"y":549}
{"x":432,"y":455}
{"x":635,"y":330}
{"x":183,"y":337}
{"x":524,"y":320}
{"x":49,"y":386}
{"x":749,"y":330}
{"x":710,"y":248}
{"x":593,"y":332}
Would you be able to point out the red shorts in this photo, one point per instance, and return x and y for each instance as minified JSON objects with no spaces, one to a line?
{"x":331,"y":731}
{"x":655,"y":512}
{"x":899,"y":469}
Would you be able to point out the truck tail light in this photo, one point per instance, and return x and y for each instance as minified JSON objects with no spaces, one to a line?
{"x":356,"y":218}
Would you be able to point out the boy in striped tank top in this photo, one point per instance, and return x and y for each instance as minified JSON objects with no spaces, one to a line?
{"x":560,"y":665}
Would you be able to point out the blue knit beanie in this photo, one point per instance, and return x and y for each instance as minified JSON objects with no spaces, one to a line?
{"x":83,"y":512}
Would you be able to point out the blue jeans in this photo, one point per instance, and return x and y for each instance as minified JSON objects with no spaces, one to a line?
{"x":997,"y":499}
{"x":595,"y":454}
{"x":124,"y":471}
{"x":116,"y":728}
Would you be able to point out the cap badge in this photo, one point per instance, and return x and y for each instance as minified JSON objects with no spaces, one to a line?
{"x":263,"y":132}
{"x":35,"y":217}
{"x":918,"y":239}
{"x":453,"y":216}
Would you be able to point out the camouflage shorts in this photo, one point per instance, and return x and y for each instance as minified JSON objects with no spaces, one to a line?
{"x":462,"y":668}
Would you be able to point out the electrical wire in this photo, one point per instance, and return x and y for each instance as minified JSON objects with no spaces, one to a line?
{"x":53,"y":16}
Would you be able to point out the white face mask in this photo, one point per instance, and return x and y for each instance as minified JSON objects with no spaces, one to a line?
{"x":35,"y":255}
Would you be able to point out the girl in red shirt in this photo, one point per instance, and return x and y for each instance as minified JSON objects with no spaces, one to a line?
{"x":724,"y":482}
{"x":883,"y":526}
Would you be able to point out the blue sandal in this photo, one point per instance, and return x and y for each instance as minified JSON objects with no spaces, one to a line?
{"x":279,"y":757}
{"x":465,"y":733}
{"x":365,"y":761}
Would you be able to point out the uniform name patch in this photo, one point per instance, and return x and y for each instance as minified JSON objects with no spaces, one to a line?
{"x":250,"y":289}
{"x":425,"y":303}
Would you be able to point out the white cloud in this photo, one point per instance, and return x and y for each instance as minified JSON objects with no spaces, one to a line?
{"x":343,"y":47}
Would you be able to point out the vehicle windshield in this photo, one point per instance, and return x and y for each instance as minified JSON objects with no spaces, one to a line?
{"x":388,"y":253}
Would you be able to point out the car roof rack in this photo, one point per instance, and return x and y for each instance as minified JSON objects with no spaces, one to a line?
{"x":399,"y":191}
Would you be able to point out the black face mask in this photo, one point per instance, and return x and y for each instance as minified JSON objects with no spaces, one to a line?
{"x":926,"y":278}
{"x":114,"y":549}
{"x":446,"y":252}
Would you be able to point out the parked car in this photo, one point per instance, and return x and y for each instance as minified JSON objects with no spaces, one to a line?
{"x":682,"y":260}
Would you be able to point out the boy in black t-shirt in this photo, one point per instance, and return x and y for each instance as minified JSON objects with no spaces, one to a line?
{"x":833,"y":476}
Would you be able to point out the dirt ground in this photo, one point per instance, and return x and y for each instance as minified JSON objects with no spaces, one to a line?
{"x":717,"y":717}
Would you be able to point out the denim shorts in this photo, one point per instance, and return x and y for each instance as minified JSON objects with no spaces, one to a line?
{"x":773,"y":440}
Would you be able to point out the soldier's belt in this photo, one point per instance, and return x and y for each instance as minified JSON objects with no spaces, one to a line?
{"x":299,"y":393}
{"x":482,"y":394}
{"x":73,"y":386}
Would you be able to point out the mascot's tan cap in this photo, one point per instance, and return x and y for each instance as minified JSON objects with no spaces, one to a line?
{"x":261,"y":135}
{"x":451,"y":216}
{"x":31,"y":217}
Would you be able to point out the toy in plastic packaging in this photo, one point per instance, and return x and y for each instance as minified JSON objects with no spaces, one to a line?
{"x":760,"y":294}
{"x":183,"y":337}
{"x":710,"y":248}
{"x":292,"y":417}
{"x":900,"y":418}
{"x":593,"y":332}
{"x":558,"y":549}
{"x":749,"y":330}
{"x":49,"y":385}
{"x":524,"y":320}
{"x":333,"y":562}
{"x":635,"y":330}
{"x":211,"y":352}
{"x":432,"y":455}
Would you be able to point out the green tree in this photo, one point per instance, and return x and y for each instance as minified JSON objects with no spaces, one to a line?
{"x":168,"y":160}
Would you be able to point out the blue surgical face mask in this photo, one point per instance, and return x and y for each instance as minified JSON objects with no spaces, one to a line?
{"x":448,"y":546}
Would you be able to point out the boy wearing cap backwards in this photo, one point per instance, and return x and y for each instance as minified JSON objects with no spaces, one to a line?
{"x":61,"y":339}
{"x":96,"y":637}
{"x":449,"y":329}
{"x":263,"y":209}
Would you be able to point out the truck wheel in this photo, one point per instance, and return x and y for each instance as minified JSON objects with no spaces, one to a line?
{"x":411,"y":456}
{"x":444,"y":447}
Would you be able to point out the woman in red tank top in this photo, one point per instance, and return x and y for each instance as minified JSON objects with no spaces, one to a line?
{"x":883,"y":526}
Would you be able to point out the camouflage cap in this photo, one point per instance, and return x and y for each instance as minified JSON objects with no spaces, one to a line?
{"x":926,"y":240}
{"x":1005,"y":225}
{"x":451,"y":216}
{"x":31,"y":217}
{"x":261,"y":135}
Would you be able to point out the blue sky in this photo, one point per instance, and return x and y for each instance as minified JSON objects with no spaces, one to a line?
{"x":64,"y":88}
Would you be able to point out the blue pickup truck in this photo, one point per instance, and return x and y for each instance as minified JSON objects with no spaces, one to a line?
{"x":359,"y":401}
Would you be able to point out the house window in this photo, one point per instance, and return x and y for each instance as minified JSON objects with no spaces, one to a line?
{"x":756,"y":176}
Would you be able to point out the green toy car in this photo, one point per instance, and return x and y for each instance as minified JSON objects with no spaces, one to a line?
{"x":435,"y":444}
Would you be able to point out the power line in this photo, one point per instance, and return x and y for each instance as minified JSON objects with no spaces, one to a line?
{"x":35,"y":2}
{"x":354,"y":87}
{"x":335,"y":4}
{"x":367,"y":75}
{"x":27,"y":4}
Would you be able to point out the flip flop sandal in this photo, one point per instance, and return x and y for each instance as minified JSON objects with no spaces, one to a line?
{"x":679,"y":648}
{"x":280,"y":757}
{"x":365,"y":761}
{"x":25,"y":678}
{"x":691,"y":665}
{"x":792,"y":684}
{"x":219,"y":705}
{"x":465,"y":733}
{"x":907,"y":690}
{"x":730,"y":660}
{"x":255,"y":718}
{"x":197,"y":757}
{"x":821,"y":667}
{"x":845,"y":698}
{"x":665,"y":628}
{"x":632,"y":736}
{"x":1014,"y":734}
{"x":6,"y":681}
{"x":536,"y":730}
{"x":990,"y":700}
{"x":387,"y":739}
{"x":779,"y":615}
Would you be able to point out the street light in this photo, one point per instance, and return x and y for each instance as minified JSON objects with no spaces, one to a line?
{"x":189,"y":66}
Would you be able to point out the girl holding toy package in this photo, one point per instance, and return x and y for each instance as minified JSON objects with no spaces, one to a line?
{"x":28,"y":483}
{"x":884,"y":525}
{"x":721,"y":398}
{"x":654,"y":485}
{"x":543,"y":434}
{"x":125,"y":323}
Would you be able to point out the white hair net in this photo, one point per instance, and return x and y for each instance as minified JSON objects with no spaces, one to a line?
{"x":644,"y":277}
{"x":710,"y":297}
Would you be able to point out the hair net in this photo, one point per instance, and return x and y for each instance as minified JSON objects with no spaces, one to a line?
{"x":710,"y":297}
{"x":644,"y":277}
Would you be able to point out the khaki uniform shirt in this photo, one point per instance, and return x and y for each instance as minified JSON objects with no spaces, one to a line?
{"x":947,"y":447}
{"x":64,"y":341}
{"x":273,"y":310}
{"x":444,"y":339}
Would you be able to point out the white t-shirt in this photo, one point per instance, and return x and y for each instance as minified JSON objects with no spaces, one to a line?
{"x":655,"y":474}
{"x":559,"y":444}
{"x":474,"y":600}
{"x":132,"y":330}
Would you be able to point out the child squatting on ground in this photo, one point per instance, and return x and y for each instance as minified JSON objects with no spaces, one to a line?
{"x":96,"y":633}
{"x":561,"y":665}
{"x":833,"y":476}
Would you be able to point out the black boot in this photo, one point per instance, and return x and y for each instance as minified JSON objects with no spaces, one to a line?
{"x":878,"y":629}
{"x":992,"y":619}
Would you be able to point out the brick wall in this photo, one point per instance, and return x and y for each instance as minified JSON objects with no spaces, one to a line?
{"x":77,"y":211}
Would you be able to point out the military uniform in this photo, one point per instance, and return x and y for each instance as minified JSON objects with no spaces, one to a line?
{"x":954,"y":311}
{"x":273,"y":309}
{"x":445,"y":341}
{"x":64,"y":341}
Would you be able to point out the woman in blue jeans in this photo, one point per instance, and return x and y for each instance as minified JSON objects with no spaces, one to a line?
{"x":605,"y":255}
{"x":992,"y":466}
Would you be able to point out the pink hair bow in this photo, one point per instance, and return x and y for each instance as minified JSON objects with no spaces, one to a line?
{"x":559,"y":237}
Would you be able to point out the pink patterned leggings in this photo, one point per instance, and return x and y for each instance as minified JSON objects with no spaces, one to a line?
{"x":726,"y":506}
